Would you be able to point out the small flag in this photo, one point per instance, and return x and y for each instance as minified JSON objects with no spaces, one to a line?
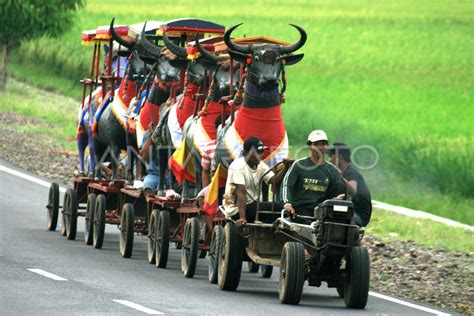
{"x":182,"y":164}
{"x":211,"y":200}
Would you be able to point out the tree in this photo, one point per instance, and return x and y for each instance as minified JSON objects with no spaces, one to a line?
{"x":22,"y":20}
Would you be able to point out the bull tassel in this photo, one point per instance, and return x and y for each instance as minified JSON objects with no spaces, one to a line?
{"x":185,"y":87}
{"x":283,"y":80}
{"x":208,"y":99}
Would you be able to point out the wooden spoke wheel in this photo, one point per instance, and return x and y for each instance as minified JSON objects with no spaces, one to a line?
{"x":162,"y":239}
{"x":151,"y":244}
{"x":53,"y":206}
{"x":98,"y":230}
{"x":70,"y":213}
{"x":127,"y":230}
{"x":189,"y":252}
{"x":89,"y":219}
{"x":214,"y":253}
{"x":230,"y":258}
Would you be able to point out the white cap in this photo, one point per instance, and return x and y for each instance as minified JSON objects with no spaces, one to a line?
{"x":317,"y":135}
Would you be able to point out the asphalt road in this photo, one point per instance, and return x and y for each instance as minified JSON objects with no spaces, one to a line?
{"x":101,"y":281}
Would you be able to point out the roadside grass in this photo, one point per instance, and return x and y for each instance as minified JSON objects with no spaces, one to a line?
{"x":394,"y":76}
{"x":424,"y":231}
{"x":57,"y":111}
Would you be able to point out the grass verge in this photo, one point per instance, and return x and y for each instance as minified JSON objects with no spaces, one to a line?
{"x":423,"y":231}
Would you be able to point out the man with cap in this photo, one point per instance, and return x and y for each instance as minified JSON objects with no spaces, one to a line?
{"x":340,"y":156}
{"x":311,"y":180}
{"x":243,"y":179}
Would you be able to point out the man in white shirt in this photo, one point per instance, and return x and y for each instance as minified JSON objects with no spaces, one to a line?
{"x":243,"y":179}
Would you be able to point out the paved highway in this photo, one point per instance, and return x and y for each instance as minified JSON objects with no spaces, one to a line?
{"x":42,"y":273}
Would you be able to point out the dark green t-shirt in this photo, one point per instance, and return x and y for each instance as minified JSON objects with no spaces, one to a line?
{"x":306,"y":185}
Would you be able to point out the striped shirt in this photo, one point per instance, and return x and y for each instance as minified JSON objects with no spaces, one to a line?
{"x":208,"y":154}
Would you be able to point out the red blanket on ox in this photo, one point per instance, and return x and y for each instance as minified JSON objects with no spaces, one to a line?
{"x":208,"y":120}
{"x":126,"y":93}
{"x":267,"y":124}
{"x":185,"y":110}
{"x":149,"y":113}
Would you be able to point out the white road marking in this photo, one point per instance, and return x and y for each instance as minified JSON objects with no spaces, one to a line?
{"x":396,"y":300}
{"x":28,"y":177}
{"x":138,"y":307}
{"x":47,"y":274}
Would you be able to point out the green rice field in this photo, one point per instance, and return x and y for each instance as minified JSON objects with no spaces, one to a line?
{"x":393,"y":76}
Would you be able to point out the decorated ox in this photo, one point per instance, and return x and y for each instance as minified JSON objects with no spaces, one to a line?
{"x":145,"y":111}
{"x":169,"y":133}
{"x":260,"y":113}
{"x":109,"y":129}
{"x":87,"y":109}
{"x":200,"y":132}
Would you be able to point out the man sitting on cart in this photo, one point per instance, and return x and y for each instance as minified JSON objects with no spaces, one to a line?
{"x":243,"y":180}
{"x":311,"y":180}
{"x":340,"y":156}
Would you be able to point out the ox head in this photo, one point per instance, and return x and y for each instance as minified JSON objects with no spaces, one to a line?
{"x":137,"y":61}
{"x":196,"y":70}
{"x":167,"y":66}
{"x":222,"y":72}
{"x":265,"y":61}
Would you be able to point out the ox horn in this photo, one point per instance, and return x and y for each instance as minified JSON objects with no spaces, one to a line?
{"x":291,"y":48}
{"x":175,"y":49}
{"x":232,"y":46}
{"x":118,"y":38}
{"x":206,"y":55}
{"x":149,"y":47}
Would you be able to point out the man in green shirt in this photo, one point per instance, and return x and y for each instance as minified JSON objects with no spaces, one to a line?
{"x":311,"y":180}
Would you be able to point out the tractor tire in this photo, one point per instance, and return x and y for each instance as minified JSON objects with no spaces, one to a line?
{"x":356,"y":286}
{"x":292,"y":273}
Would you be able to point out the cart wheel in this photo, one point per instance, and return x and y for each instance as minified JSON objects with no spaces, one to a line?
{"x":151,"y":236}
{"x":127,"y":230}
{"x":162,"y":237}
{"x":202,"y":254}
{"x":340,"y":291}
{"x":63,"y":215}
{"x":89,"y":220}
{"x":98,"y":230}
{"x":53,"y":206}
{"x":70,"y":213}
{"x":189,"y":253}
{"x":214,"y":252}
{"x":356,"y":285}
{"x":253,"y":267}
{"x":266,"y":271}
{"x":292,"y":273}
{"x":230,"y":259}
{"x":202,"y":239}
